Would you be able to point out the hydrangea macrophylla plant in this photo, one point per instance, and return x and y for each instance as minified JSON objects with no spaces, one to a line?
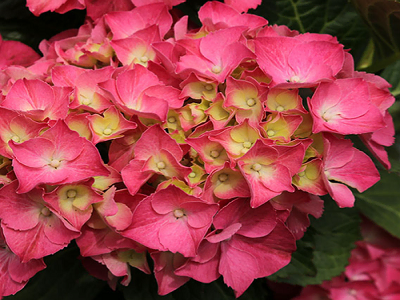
{"x":137,"y":134}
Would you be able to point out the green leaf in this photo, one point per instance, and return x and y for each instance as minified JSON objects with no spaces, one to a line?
{"x":334,"y":17}
{"x":324,"y":250}
{"x":381,"y":203}
{"x":392,"y":75}
{"x":383,"y":19}
{"x":63,"y":279}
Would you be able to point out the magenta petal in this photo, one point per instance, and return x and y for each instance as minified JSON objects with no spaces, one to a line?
{"x":176,"y":197}
{"x":35,"y":153}
{"x":153,"y":140}
{"x":30,"y":244}
{"x":176,"y":237}
{"x":122,"y":219}
{"x":133,"y":177}
{"x":20,"y":211}
{"x":21,"y":272}
{"x":68,"y":143}
{"x":359,"y":173}
{"x":225,"y":234}
{"x":145,"y":225}
{"x":29,"y":95}
{"x":258,"y":222}
{"x":231,"y":213}
{"x":204,"y":267}
{"x":199,"y":214}
{"x":272,"y":252}
{"x":165,"y":264}
{"x":206,"y":252}
{"x":238,"y":268}
{"x":341,"y":194}
{"x":99,"y":241}
{"x":56,"y":232}
{"x":30,"y":177}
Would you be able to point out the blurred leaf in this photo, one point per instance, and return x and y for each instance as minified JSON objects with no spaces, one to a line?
{"x":63,"y":279}
{"x":334,"y":17}
{"x":381,"y":203}
{"x":383,"y":19}
{"x":392,"y":75}
{"x":325,"y":254}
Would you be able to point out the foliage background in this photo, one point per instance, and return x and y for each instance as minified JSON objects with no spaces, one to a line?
{"x":371,"y":30}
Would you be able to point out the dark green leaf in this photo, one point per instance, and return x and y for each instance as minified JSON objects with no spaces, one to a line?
{"x":334,"y":17}
{"x":325,"y":249}
{"x":381,"y":203}
{"x":392,"y":75}
{"x":383,"y":20}
{"x":63,"y":279}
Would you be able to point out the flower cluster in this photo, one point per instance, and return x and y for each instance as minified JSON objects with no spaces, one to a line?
{"x":373,"y":272}
{"x":206,"y":148}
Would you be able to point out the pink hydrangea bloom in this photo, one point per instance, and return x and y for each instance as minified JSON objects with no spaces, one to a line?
{"x":57,"y":156}
{"x":171,"y":220}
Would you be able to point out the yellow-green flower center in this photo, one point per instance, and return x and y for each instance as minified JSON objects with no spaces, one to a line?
{"x":144,"y":59}
{"x":256,"y":167}
{"x":178,"y":213}
{"x":45,"y":211}
{"x":171,"y":120}
{"x":107,"y":131}
{"x":271,"y":132}
{"x":223,"y":177}
{"x":16,"y":138}
{"x":251,"y":102}
{"x":71,"y":194}
{"x":214,"y":153}
{"x":216,"y":69}
{"x":161,"y":165}
{"x":55,"y":163}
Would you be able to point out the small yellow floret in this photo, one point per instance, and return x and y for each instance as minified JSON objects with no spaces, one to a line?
{"x":214,"y":153}
{"x":192,"y":175}
{"x":171,"y":120}
{"x":271,"y":132}
{"x":71,"y":193}
{"x":295,"y":78}
{"x":144,"y":59}
{"x":256,"y":167}
{"x":86,"y":101}
{"x":216,"y":69}
{"x":107,"y":131}
{"x":178,"y":213}
{"x":280,"y":108}
{"x":251,"y":102}
{"x":208,"y":87}
{"x":247,"y":144}
{"x":45,"y":211}
{"x":223,"y":177}
{"x":16,"y":138}
{"x":55,"y":163}
{"x":161,"y":165}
